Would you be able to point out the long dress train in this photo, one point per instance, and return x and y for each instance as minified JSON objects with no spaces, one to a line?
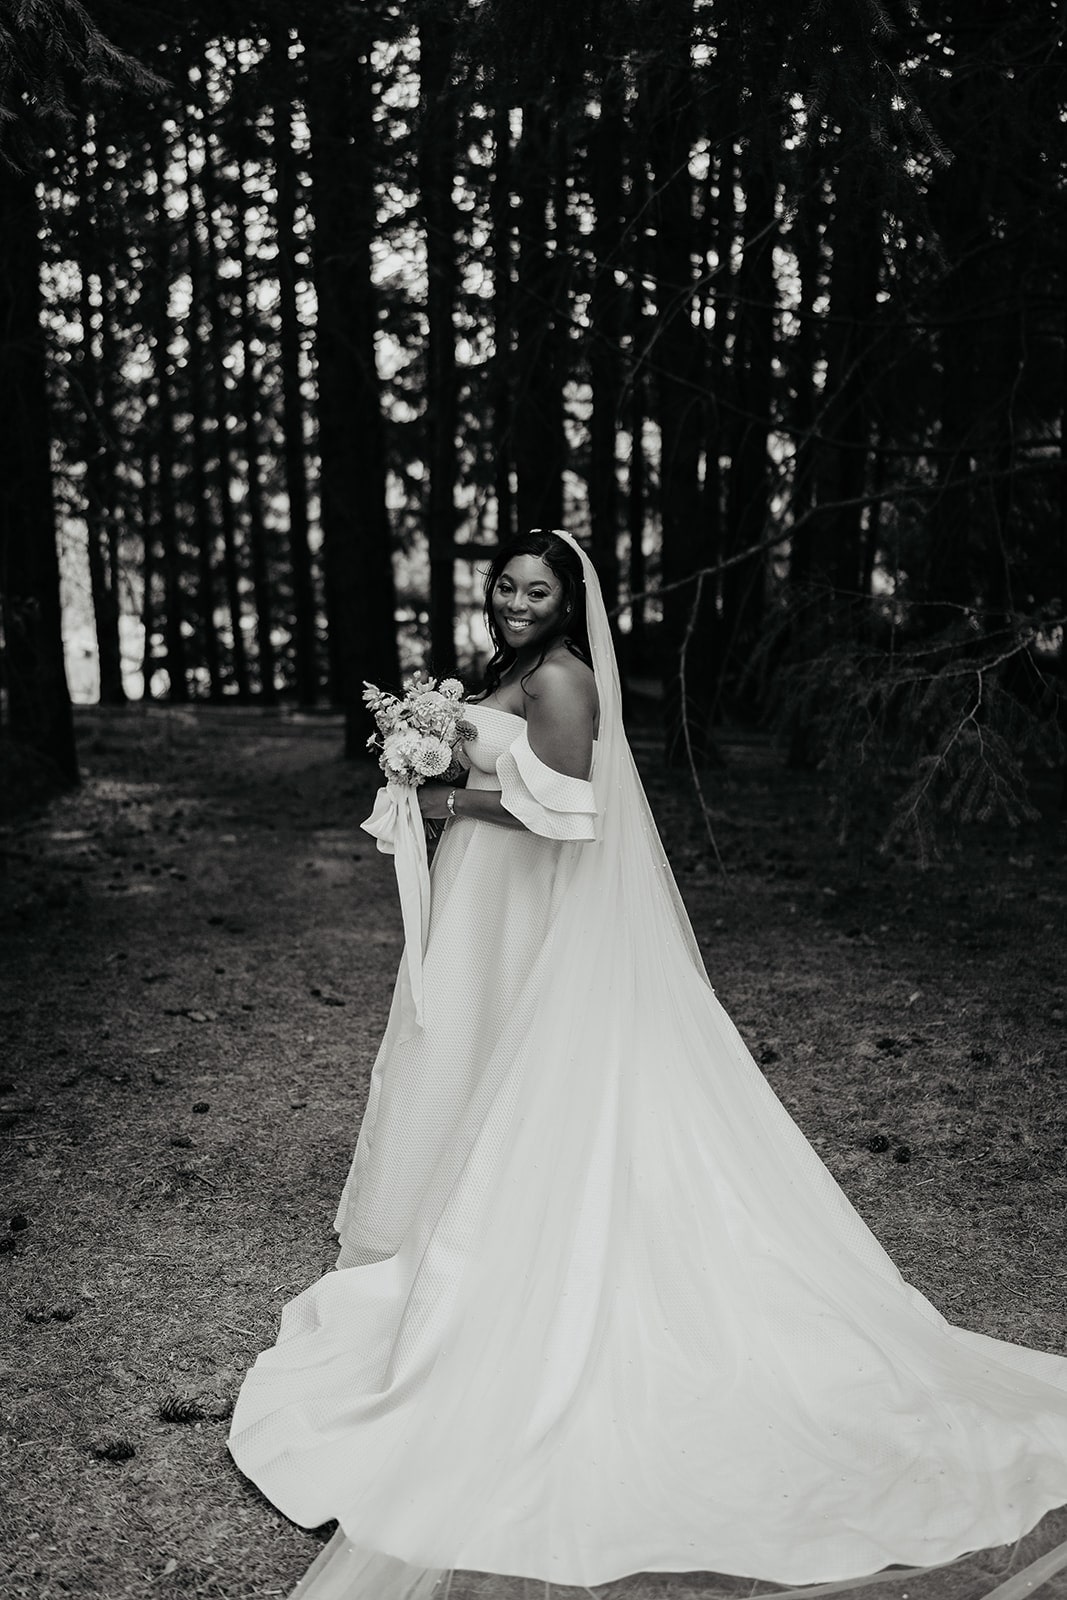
{"x":602,"y":1310}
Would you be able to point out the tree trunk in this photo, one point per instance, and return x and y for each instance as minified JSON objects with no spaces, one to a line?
{"x":743,"y":585}
{"x":688,"y":608}
{"x":294,"y":448}
{"x":217,"y":346}
{"x":538,"y":437}
{"x":257,"y":527}
{"x":806,"y":351}
{"x":962,"y":213}
{"x":203,"y":514}
{"x":830,"y":551}
{"x":437,"y":166}
{"x":97,"y":419}
{"x":606,"y":145}
{"x":148,"y":567}
{"x":503,"y":329}
{"x":636,"y":495}
{"x":844,"y":421}
{"x":1006,"y":344}
{"x":360,"y":592}
{"x":111,"y":382}
{"x":166,"y":485}
{"x":1062,"y":520}
{"x":38,"y":700}
{"x":719,"y":230}
{"x":637,"y":398}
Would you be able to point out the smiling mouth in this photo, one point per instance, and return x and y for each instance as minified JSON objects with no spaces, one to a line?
{"x":517,"y":626}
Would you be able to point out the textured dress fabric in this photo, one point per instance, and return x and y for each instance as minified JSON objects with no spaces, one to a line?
{"x":601,"y":1309}
{"x":495,"y":894}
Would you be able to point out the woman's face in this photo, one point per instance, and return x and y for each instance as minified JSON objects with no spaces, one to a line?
{"x":528,"y":605}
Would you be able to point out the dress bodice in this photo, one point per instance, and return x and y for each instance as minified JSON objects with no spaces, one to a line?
{"x":497,"y":731}
{"x":546,"y":802}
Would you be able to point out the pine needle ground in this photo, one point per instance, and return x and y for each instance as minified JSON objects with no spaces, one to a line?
{"x":198,"y":951}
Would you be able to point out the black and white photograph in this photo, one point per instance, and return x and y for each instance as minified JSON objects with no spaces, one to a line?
{"x":533,"y":800}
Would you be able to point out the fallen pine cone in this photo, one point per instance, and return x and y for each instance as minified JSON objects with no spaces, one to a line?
{"x":51,"y":1313}
{"x":877,"y":1144}
{"x":180,"y":1408}
{"x":113,"y":1449}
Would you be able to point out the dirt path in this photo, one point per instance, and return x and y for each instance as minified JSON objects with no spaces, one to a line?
{"x":197,"y":954}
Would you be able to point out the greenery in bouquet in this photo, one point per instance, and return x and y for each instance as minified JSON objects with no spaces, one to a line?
{"x":418,"y":733}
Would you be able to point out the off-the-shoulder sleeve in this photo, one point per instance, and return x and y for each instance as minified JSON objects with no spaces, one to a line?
{"x":545,"y":801}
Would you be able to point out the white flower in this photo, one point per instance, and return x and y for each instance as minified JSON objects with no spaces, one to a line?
{"x":451,"y":688}
{"x":434,"y":756}
{"x":401,"y":744}
{"x":418,"y":681}
{"x":434,"y":714}
{"x":428,"y":701}
{"x":397,"y":759}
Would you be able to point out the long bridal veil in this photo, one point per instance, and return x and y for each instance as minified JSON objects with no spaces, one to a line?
{"x":646,"y":1332}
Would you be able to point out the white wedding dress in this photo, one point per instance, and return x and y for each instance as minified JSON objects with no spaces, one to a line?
{"x":601,"y":1309}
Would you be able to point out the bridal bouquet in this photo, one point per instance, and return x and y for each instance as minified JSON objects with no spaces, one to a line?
{"x":418,"y":735}
{"x":418,"y":732}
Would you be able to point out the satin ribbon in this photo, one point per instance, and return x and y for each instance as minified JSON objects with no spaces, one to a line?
{"x":396,"y":823}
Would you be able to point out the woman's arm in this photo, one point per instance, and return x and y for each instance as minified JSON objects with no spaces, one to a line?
{"x":560,"y":716}
{"x":481,"y":805}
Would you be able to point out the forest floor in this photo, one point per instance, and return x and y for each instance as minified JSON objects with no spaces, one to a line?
{"x":198,"y":950}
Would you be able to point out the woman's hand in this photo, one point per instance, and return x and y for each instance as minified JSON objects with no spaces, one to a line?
{"x":432,"y":797}
{"x":478,"y":805}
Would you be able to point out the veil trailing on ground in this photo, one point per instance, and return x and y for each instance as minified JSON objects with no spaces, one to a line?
{"x":638,"y":1328}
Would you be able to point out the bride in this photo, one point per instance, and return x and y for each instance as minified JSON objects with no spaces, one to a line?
{"x":602,"y":1310}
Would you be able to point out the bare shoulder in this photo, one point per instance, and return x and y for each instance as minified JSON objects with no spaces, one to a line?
{"x":563,"y":681}
{"x":561,"y":714}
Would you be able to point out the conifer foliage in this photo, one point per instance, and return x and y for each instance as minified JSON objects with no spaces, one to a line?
{"x":304,"y":306}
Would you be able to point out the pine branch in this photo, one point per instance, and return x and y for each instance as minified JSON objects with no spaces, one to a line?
{"x":50,"y":52}
{"x":921,"y":742}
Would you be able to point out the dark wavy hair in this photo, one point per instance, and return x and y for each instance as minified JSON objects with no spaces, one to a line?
{"x":563,"y":559}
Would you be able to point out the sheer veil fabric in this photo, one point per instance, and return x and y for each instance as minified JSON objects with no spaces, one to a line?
{"x":626,"y":1322}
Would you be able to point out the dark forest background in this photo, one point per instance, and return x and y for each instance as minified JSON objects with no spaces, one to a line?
{"x":304,"y":306}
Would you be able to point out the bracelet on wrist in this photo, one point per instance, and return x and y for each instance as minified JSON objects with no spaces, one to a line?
{"x":450,"y":803}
